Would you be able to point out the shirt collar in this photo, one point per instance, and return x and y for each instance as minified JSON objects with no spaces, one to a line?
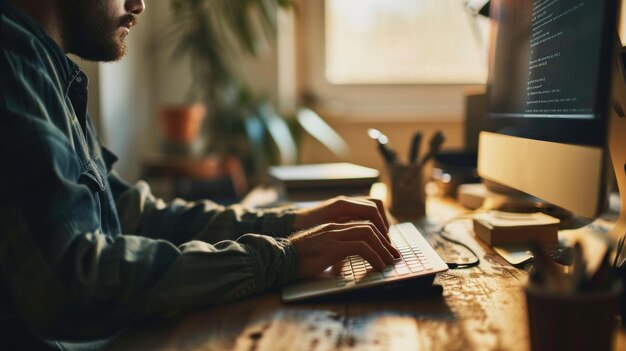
{"x":68,"y":69}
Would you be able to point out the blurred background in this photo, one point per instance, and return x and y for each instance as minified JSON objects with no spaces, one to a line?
{"x":276,"y":79}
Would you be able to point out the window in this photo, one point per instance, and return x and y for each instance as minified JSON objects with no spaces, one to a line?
{"x":402,"y":60}
{"x":404,"y":42}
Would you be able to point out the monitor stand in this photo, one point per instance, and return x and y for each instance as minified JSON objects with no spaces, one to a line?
{"x":617,"y":140}
{"x":503,"y":198}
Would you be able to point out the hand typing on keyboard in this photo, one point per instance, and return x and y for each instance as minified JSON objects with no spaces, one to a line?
{"x":355,"y":270}
{"x":373,"y":262}
{"x":327,"y":244}
{"x":343,"y":210}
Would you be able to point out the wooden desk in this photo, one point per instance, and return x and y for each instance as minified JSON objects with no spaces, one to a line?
{"x":482,"y":308}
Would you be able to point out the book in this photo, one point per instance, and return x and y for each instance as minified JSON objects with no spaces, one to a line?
{"x":506,"y":228}
{"x":327,"y":178}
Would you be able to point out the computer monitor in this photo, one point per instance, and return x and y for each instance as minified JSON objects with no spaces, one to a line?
{"x":549,"y":95}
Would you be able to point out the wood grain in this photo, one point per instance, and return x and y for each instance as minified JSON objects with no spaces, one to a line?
{"x":481,"y":308}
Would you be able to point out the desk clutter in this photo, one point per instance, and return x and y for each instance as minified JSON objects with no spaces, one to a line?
{"x":507,"y":228}
{"x":576,"y":308}
{"x":320,"y":181}
{"x":406,"y":196}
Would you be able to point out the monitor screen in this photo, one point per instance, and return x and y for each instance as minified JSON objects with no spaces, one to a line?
{"x":549,"y":89}
{"x":549,"y":78}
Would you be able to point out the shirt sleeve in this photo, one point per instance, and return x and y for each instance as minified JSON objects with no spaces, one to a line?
{"x":62,"y":275}
{"x":179,"y":221}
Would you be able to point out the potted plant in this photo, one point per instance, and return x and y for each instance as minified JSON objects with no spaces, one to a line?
{"x":211,"y":33}
{"x":191,"y":117}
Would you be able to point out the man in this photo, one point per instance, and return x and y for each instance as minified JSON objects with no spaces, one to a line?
{"x":82,"y":253}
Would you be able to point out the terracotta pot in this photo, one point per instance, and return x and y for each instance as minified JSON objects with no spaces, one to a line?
{"x":181,"y":124}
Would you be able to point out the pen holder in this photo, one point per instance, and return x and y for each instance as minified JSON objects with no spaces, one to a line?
{"x":406,"y":195}
{"x":572,"y":321}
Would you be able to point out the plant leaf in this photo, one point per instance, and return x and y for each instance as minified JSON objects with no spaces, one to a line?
{"x":315,"y":125}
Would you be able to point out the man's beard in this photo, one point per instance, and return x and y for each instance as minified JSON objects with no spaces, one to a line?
{"x":90,"y":33}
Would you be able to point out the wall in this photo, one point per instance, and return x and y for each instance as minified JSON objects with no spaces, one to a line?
{"x":132,"y":90}
{"x":124,"y":99}
{"x":173,"y":77}
{"x":396,"y":110}
{"x":127,"y":125}
{"x":363,"y":149}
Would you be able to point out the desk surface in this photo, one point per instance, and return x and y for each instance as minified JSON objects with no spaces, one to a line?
{"x":481,"y":308}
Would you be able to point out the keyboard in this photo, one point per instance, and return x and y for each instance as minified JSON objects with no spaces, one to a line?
{"x":418,"y":260}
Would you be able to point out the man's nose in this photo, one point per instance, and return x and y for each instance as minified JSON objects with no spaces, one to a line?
{"x":135,"y":6}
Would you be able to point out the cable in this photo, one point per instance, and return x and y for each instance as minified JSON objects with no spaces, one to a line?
{"x":444,"y":235}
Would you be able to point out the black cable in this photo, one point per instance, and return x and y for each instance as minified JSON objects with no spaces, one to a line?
{"x":444,"y":235}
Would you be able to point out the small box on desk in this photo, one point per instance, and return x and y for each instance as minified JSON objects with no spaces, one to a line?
{"x":503,"y":228}
{"x":324,"y":180}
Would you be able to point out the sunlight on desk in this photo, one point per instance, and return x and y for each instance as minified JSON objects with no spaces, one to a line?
{"x":481,"y":308}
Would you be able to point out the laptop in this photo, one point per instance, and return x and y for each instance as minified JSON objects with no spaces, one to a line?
{"x":419,"y":261}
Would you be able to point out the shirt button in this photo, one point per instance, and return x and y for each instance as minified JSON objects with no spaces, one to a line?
{"x":79,"y":79}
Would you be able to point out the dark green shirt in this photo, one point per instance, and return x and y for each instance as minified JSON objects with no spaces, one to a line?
{"x":82,"y":252}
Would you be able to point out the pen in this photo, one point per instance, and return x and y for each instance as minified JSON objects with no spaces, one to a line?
{"x":579,"y":270}
{"x":546,"y":270}
{"x":415,"y":147}
{"x":434,"y":146}
{"x":388,"y":154}
{"x":602,"y":278}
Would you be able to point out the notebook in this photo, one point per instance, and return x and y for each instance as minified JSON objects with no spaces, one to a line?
{"x":419,"y":261}
{"x":324,"y":175}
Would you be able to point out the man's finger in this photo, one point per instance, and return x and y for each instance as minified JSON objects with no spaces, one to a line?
{"x":348,"y":223}
{"x":365,"y":233}
{"x":383,"y":214}
{"x":362,"y":249}
{"x":382,"y":238}
{"x":361,"y":209}
{"x":381,"y":210}
{"x":338,"y":267}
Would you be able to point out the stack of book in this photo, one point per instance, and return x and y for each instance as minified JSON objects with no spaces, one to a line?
{"x":324,"y":180}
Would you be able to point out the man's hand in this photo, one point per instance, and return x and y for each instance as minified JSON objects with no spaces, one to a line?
{"x":342,"y":210}
{"x":327,"y":244}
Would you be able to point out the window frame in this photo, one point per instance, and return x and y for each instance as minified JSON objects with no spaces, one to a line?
{"x":363,"y":102}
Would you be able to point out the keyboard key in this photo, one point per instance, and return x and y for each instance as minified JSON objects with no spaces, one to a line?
{"x":388,"y":274}
{"x":402,"y":271}
{"x":361,"y":281}
{"x":354,"y":270}
{"x":375,"y":276}
{"x":347,"y":275}
{"x":341,"y":283}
